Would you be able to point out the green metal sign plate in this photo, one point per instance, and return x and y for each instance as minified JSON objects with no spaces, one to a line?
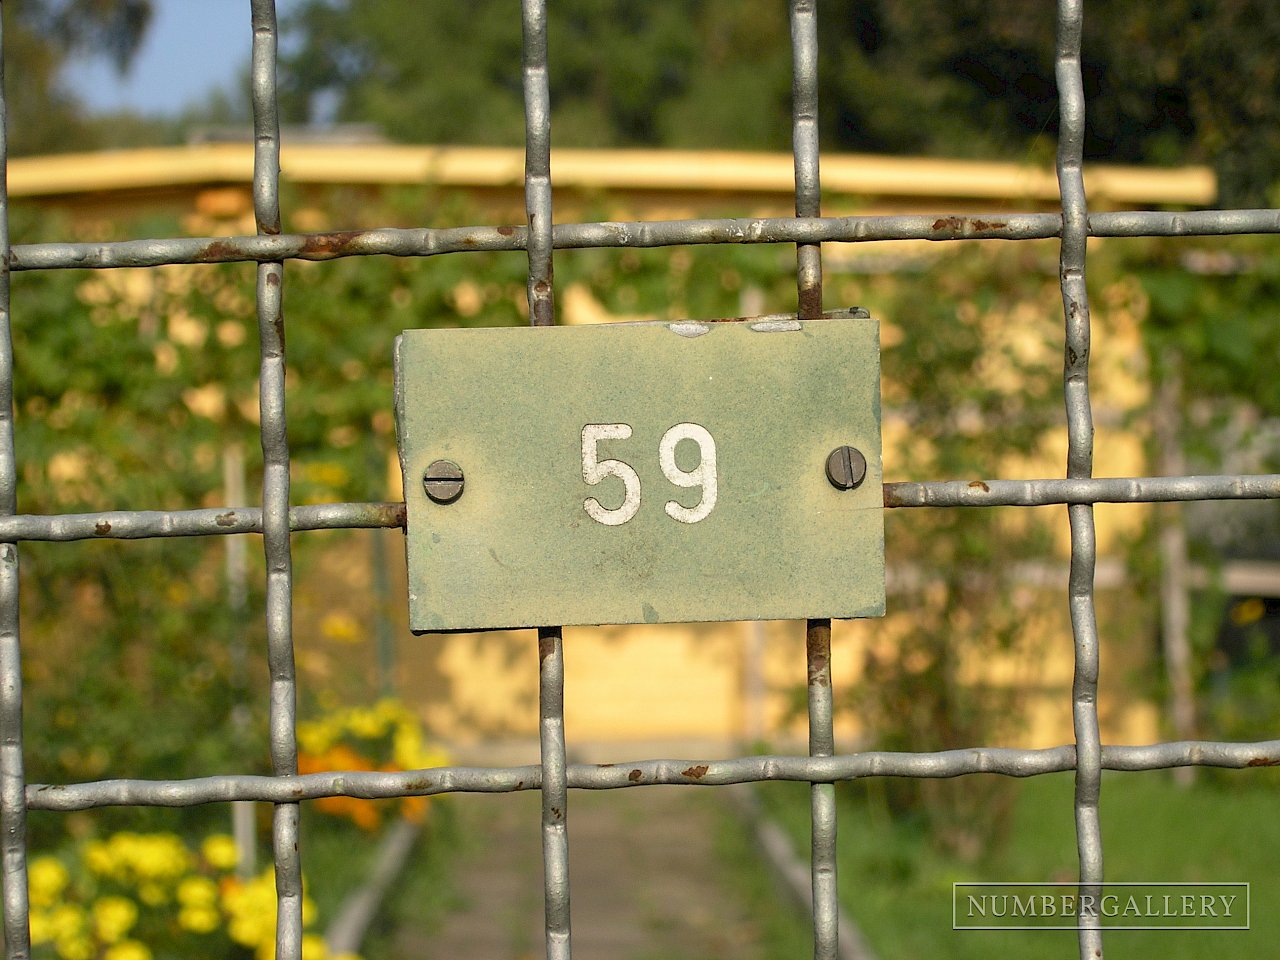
{"x":641,"y":472}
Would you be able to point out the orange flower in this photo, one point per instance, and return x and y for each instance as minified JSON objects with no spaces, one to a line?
{"x":363,"y":813}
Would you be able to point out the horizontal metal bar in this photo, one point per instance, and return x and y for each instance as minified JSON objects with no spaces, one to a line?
{"x":1038,"y":493}
{"x":396,"y":242}
{"x":582,"y":776}
{"x":142,"y":524}
{"x":215,"y":521}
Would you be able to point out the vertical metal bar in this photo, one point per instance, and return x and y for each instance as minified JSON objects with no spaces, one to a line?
{"x":804,"y":142}
{"x":275,"y":481}
{"x":822,"y":798}
{"x":1075,"y":302}
{"x":242,"y":811}
{"x":13,"y":802}
{"x":537,"y":193}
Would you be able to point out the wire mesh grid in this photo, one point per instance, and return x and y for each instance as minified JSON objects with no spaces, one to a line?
{"x":277,"y":520}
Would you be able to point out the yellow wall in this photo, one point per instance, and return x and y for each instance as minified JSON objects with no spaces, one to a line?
{"x":671,"y":683}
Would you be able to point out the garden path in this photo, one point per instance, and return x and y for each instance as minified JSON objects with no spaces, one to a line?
{"x":646,"y":878}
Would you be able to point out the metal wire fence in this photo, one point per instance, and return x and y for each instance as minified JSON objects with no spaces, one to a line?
{"x":277,"y":521}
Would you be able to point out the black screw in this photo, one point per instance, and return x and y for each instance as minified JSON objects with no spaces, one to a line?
{"x":846,"y":467}
{"x":443,"y":481}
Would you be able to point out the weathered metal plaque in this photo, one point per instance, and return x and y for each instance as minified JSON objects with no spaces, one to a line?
{"x":641,"y":472}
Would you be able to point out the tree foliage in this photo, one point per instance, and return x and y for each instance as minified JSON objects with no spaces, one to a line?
{"x":40,"y":36}
{"x":1184,"y":81}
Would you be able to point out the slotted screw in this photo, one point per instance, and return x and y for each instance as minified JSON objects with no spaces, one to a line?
{"x":846,"y":467}
{"x":443,"y":481}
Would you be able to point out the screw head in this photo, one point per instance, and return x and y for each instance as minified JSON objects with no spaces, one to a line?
{"x":846,"y":467}
{"x":443,"y":481}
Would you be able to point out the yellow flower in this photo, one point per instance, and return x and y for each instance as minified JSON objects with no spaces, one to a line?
{"x":314,"y":738}
{"x":78,"y":947}
{"x":197,"y":891}
{"x":406,"y":747}
{"x":251,"y":907}
{"x":67,"y":921}
{"x":366,"y":724}
{"x":152,"y":894}
{"x":160,"y":855}
{"x":314,"y":947}
{"x":392,"y":710}
{"x":341,"y":628}
{"x":46,"y":878}
{"x":113,"y":917}
{"x":219,"y":851}
{"x":99,"y":858}
{"x":199,"y":919}
{"x":127,"y":950}
{"x":41,"y":927}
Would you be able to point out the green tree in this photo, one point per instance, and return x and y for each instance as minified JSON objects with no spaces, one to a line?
{"x":40,"y":36}
{"x":1178,"y":82}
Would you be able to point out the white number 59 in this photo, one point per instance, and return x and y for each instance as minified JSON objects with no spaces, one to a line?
{"x":594,"y":470}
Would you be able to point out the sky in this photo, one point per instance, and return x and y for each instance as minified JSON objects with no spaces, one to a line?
{"x":191,"y":47}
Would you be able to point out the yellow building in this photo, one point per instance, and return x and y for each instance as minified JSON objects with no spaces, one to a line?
{"x":675,"y":688}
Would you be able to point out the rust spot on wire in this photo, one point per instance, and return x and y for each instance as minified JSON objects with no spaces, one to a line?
{"x":979,"y":485}
{"x":101,"y":528}
{"x":693,"y":773}
{"x":966,"y":224}
{"x":379,"y":515}
{"x":634,"y":776}
{"x":546,"y":647}
{"x":506,"y":231}
{"x":810,"y":303}
{"x":542,"y":313}
{"x":1263,"y":762}
{"x":217,"y":252}
{"x":555,"y":812}
{"x":818,"y":650}
{"x":330,"y":244}
{"x":419,"y":783}
{"x":227,"y":519}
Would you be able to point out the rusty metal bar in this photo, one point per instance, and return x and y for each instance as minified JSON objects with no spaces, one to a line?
{"x":220,"y":521}
{"x":1075,"y":301}
{"x":428,"y":242}
{"x":822,"y":796}
{"x":275,"y":481}
{"x":1003,"y":761}
{"x":13,"y":810}
{"x":206,"y":522}
{"x":541,"y":294}
{"x":1083,"y":490}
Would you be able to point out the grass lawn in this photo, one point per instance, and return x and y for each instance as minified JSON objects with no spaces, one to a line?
{"x":897,"y":887}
